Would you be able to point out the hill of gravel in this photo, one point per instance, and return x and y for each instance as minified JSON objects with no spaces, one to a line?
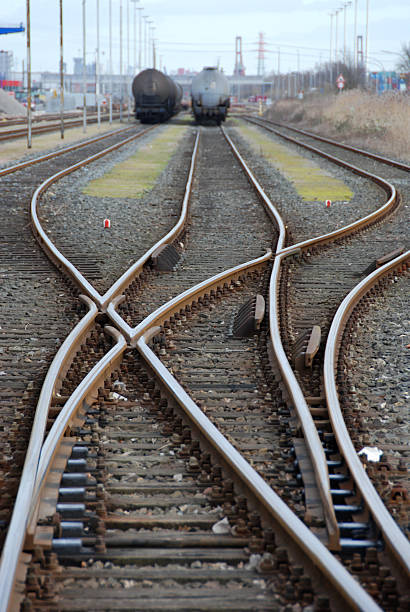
{"x":10,"y":106}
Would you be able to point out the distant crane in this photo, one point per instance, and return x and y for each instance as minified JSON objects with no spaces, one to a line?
{"x":11,"y":29}
{"x":239,"y":69}
{"x":261,"y":54}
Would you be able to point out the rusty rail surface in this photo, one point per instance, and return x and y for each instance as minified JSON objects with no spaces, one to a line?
{"x":17,"y":529}
{"x":362,"y":223}
{"x":341,"y":145}
{"x":335,"y":572}
{"x":394,"y":537}
{"x":162,"y":314}
{"x":311,"y":436}
{"x":22,"y":119}
{"x":136,"y":268}
{"x":26,"y":515}
{"x":46,"y":244}
{"x":34,"y":475}
{"x":392,"y":534}
{"x":41,"y":158}
{"x":346,"y":585}
{"x":42,"y":129}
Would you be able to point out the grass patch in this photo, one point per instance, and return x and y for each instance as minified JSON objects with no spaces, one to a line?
{"x":311,"y":182}
{"x":136,"y":175}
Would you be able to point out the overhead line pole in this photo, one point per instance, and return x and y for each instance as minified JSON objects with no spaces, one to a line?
{"x":97,"y":68}
{"x":61,"y":73}
{"x":140,"y":9}
{"x":127,"y":71}
{"x":111,"y":81}
{"x":331,"y":50}
{"x":367,"y":37}
{"x":84,"y":75}
{"x":121,"y":88}
{"x":28,"y":42}
{"x":355,"y":34}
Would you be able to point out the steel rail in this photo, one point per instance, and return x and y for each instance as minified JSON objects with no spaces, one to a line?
{"x":83,"y":393}
{"x":311,"y":436}
{"x":17,"y":528}
{"x":392,"y":534}
{"x":22,"y":120}
{"x":49,"y":449}
{"x":272,"y":212}
{"x":162,"y":314}
{"x":353,"y":594}
{"x":43,"y":129}
{"x":356,"y":225}
{"x":341,"y":145}
{"x":37,"y":160}
{"x":47,"y":245}
{"x":136,"y":268}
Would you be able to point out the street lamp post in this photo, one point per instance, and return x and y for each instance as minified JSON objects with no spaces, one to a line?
{"x":121,"y":88}
{"x":140,"y":9}
{"x":355,"y":33}
{"x":346,"y":5}
{"x":84,"y":75}
{"x":97,"y":68}
{"x":28,"y":42}
{"x":61,"y":73}
{"x":145,"y":40}
{"x":367,"y":37}
{"x":330,"y":48}
{"x":336,"y":14}
{"x":152,"y":44}
{"x":110,"y":68}
{"x":135,"y":34}
{"x":127,"y":78}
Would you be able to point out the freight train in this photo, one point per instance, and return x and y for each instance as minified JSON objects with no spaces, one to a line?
{"x":210,"y":95}
{"x":157,"y":97}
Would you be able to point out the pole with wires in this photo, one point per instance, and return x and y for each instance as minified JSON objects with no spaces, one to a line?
{"x":97,"y":68}
{"x":121,"y":87}
{"x":61,"y":73}
{"x":28,"y":43}
{"x":84,"y":75}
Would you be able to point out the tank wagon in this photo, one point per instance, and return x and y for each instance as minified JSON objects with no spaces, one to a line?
{"x":210,"y":95}
{"x":157,"y":97}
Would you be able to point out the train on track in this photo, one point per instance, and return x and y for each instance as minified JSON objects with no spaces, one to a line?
{"x":157,"y":97}
{"x":210,"y":95}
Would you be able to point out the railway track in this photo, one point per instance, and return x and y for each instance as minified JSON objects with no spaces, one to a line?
{"x":374,"y":247}
{"x":10,"y":134}
{"x":148,"y":470}
{"x":38,"y":309}
{"x":8,"y":121}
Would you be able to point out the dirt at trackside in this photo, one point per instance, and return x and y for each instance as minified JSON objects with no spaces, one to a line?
{"x":379,"y":123}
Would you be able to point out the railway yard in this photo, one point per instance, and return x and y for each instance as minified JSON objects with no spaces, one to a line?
{"x":204,"y":362}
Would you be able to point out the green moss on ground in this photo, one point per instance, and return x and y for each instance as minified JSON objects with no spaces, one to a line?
{"x":311,"y":182}
{"x":136,"y":175}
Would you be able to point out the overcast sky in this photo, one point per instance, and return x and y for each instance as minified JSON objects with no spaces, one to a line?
{"x":191,"y":34}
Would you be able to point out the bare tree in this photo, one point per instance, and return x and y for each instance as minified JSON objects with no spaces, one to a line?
{"x":403,"y":65}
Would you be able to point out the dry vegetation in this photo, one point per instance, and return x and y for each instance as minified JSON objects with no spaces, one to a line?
{"x":380,"y":123}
